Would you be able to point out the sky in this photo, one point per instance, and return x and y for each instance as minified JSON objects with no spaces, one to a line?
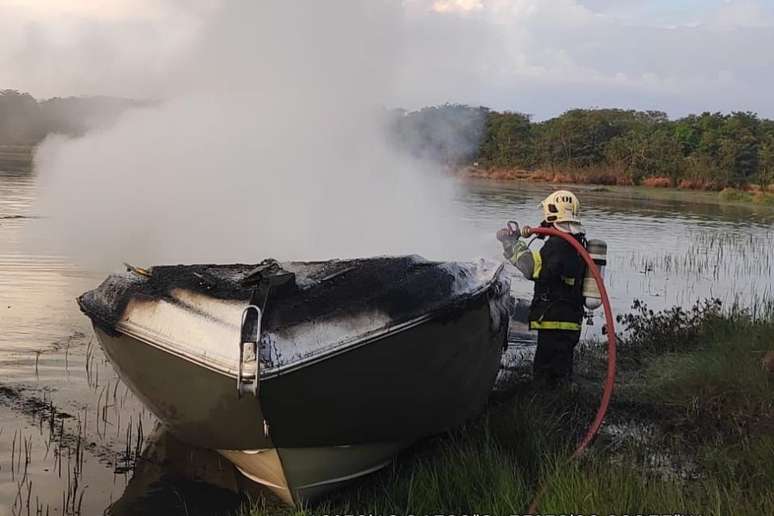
{"x":540,"y":57}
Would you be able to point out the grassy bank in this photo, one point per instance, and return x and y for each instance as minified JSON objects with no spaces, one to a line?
{"x":691,"y":429}
{"x":741,"y":196}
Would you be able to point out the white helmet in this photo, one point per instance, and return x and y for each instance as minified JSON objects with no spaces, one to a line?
{"x":561,"y":206}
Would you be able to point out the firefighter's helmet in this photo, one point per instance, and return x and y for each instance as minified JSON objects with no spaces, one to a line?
{"x":561,"y":206}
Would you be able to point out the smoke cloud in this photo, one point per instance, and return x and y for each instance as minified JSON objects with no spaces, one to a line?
{"x":274,"y":143}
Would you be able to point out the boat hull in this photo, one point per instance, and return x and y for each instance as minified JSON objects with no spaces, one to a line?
{"x":420,"y":381}
{"x":319,"y":421}
{"x":200,"y":406}
{"x":431,"y":377}
{"x":298,"y":475}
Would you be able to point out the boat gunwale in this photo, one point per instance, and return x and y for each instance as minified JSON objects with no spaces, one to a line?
{"x":164,"y":344}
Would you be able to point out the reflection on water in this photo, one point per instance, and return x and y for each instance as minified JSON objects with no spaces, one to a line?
{"x":71,"y":433}
{"x":173,"y":478}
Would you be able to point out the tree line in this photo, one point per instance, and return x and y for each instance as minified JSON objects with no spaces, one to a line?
{"x":710,"y":150}
{"x":26,"y":121}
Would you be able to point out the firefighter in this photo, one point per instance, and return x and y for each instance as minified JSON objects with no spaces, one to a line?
{"x":556,"y":268}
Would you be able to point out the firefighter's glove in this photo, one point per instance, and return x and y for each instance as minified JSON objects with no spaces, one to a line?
{"x":509,"y":239}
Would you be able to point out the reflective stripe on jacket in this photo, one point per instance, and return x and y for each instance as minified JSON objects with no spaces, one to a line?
{"x":557,"y":271}
{"x":554,"y":325}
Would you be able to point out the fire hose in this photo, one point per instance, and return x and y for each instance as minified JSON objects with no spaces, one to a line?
{"x":611,"y":347}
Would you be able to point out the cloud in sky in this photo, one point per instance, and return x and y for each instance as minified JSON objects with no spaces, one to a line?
{"x":730,"y":13}
{"x":536,"y":56}
{"x":113,"y":47}
{"x":543,"y":57}
{"x":445,"y":6}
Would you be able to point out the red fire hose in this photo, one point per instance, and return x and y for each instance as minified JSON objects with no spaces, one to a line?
{"x":610,"y":380}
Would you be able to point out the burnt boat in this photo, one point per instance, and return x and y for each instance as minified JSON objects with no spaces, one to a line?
{"x":306,"y":374}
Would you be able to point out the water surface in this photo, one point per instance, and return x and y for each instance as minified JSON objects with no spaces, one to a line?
{"x":70,"y":431}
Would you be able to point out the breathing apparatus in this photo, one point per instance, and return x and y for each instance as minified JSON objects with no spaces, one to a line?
{"x":597,"y":249}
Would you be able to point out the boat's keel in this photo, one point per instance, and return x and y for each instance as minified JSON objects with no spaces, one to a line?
{"x":299,"y":475}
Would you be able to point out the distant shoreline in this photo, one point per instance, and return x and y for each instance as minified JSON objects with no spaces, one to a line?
{"x":16,"y":158}
{"x":747,"y":194}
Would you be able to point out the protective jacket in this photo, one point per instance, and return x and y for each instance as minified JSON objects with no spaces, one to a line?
{"x":557,"y":271}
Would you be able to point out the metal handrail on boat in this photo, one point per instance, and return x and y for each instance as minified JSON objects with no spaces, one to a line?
{"x":249,"y":335}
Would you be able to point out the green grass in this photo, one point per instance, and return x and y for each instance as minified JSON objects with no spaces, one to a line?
{"x":724,"y":385}
{"x":698,"y":385}
{"x":733,"y":195}
{"x":764,"y":199}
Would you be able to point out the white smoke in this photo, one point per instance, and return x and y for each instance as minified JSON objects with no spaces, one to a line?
{"x":274,"y":144}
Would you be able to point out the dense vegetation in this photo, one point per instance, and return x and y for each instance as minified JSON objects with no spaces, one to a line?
{"x":689,"y":432}
{"x":609,"y":146}
{"x":711,"y":150}
{"x":450,"y":134}
{"x":26,"y":121}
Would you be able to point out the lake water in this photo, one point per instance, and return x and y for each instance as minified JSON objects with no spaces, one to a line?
{"x":70,"y":430}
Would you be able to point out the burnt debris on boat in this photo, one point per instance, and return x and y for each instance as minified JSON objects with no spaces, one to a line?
{"x":306,"y":374}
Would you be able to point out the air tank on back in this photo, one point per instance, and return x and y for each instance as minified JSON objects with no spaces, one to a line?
{"x":598,"y":251}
